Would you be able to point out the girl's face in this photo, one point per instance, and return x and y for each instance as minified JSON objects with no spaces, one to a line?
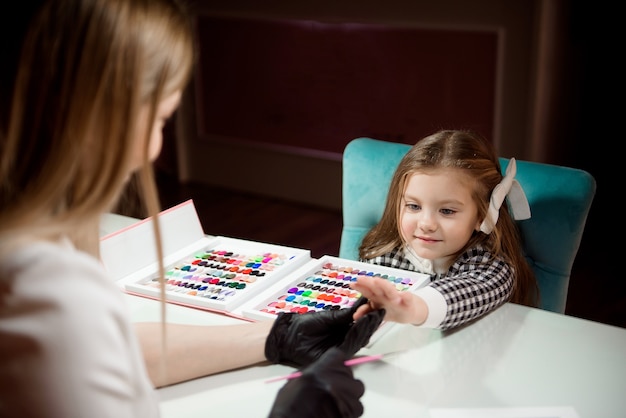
{"x":165,"y":109}
{"x":438,"y":215}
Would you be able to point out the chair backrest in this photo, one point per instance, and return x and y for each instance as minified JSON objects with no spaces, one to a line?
{"x":559,"y":198}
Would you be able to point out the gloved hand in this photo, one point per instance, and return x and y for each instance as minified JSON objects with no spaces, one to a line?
{"x":299,"y":339}
{"x":327,"y":388}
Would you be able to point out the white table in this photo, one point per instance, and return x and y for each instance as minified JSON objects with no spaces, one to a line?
{"x":514,"y":358}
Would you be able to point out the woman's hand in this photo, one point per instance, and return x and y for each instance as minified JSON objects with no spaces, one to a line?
{"x":326,"y":389}
{"x":299,"y":339}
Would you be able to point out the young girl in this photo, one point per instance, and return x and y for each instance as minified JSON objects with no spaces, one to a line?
{"x":446,"y":216}
{"x":85,"y":88}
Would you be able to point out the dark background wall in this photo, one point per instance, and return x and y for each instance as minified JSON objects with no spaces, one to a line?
{"x":540,"y":78}
{"x":315,"y":86}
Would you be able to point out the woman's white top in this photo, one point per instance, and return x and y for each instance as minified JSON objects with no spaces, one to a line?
{"x":67,"y":346}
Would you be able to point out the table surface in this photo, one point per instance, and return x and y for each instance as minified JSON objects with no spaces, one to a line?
{"x":515,"y":357}
{"x":516,"y":362}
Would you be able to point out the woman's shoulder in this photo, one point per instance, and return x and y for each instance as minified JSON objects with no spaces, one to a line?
{"x":52,"y":265}
{"x":60,"y":280}
{"x":59,"y":274}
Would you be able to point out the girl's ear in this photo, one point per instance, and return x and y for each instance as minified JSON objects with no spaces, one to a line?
{"x":477,"y":226}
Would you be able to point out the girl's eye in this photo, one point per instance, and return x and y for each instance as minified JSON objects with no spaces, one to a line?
{"x":448,"y":211}
{"x":412,"y":206}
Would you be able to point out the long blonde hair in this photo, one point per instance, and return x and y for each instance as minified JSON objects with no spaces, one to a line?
{"x":83,"y":70}
{"x":477,"y":158}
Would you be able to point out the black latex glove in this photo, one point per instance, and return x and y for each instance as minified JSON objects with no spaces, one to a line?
{"x":327,"y":388}
{"x":299,"y":339}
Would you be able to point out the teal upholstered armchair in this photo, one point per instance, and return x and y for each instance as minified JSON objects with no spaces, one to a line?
{"x":559,"y":198}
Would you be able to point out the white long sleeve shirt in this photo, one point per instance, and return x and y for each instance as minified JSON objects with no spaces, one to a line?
{"x":67,"y":346}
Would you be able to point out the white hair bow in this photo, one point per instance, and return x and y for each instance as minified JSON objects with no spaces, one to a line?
{"x":517,"y":199}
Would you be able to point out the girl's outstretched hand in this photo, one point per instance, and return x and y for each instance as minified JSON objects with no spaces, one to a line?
{"x":402,"y":307}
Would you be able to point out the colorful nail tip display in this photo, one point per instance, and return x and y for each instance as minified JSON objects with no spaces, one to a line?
{"x":258,"y":281}
{"x":224,"y":274}
{"x":309,"y":296}
{"x":223,"y":271}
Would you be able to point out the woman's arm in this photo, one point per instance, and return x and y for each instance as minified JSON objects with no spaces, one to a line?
{"x":294,"y":339}
{"x":194,"y":351}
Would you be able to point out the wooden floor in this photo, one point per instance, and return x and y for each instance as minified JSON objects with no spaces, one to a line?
{"x":257,"y":218}
{"x":240,"y":215}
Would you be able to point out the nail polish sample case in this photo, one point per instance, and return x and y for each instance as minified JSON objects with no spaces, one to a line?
{"x":249,"y":280}
{"x":222,"y":274}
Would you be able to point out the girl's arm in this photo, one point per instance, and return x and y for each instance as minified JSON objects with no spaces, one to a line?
{"x":475,"y":285}
{"x":402,"y":307}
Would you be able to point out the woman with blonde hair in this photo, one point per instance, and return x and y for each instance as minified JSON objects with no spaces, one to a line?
{"x":85,"y":89}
